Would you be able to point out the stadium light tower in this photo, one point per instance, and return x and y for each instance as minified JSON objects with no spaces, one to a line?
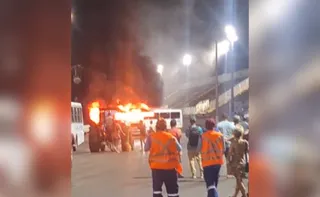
{"x":232,"y":36}
{"x":222,"y":48}
{"x":187,"y":60}
{"x":231,"y":33}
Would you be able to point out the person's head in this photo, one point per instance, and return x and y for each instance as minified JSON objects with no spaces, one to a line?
{"x":141,"y":122}
{"x":224,"y":116}
{"x":238,"y":132}
{"x":151,"y":122}
{"x":161,"y":125}
{"x":246,"y":117}
{"x":210,"y":124}
{"x":193,"y":120}
{"x":173,"y":123}
{"x":236,"y":119}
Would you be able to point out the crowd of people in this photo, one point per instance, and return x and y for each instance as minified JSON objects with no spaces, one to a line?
{"x":209,"y":147}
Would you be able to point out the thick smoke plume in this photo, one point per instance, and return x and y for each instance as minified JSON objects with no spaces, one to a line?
{"x":106,"y":45}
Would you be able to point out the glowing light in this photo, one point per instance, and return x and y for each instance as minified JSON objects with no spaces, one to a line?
{"x":133,"y":107}
{"x":133,"y":113}
{"x":187,"y":60}
{"x":160,"y":69}
{"x":94,"y":112}
{"x":223,"y":47}
{"x":231,"y":33}
{"x":133,"y":116}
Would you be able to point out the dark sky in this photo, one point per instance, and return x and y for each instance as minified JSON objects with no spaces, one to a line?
{"x":114,"y":37}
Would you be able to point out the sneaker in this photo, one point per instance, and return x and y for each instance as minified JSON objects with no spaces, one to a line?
{"x":201,"y":177}
{"x":194,"y":177}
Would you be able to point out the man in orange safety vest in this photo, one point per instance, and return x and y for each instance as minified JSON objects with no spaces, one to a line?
{"x":212,"y":152}
{"x":164,"y":159}
{"x":176,"y":132}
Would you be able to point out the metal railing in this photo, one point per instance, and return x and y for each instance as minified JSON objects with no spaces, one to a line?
{"x":208,"y":106}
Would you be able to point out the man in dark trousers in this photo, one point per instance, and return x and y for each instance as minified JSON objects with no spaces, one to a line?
{"x":163,"y":160}
{"x":212,"y":152}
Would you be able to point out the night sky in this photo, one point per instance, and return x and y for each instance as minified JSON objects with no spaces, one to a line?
{"x":126,"y":39}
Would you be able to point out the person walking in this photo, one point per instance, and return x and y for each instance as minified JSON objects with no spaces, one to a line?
{"x":238,"y":122}
{"x":194,"y":138}
{"x":151,"y":129}
{"x":238,"y":151}
{"x":163,"y":160}
{"x":143,"y":134}
{"x":176,"y":132}
{"x":212,"y":151}
{"x":226,"y":127}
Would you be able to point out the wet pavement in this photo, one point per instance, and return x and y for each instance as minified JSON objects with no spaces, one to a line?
{"x":128,"y":174}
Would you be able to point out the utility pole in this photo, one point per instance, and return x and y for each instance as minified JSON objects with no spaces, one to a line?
{"x":217,"y":82}
{"x":232,"y":80}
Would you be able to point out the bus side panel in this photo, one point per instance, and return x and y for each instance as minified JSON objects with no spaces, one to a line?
{"x":77,"y":127}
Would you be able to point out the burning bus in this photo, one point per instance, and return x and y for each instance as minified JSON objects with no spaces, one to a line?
{"x":129,"y":115}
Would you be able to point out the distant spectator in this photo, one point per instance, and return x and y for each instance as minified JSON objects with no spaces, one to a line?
{"x":226,"y":127}
{"x":176,"y":132}
{"x":236,"y":157}
{"x":193,"y":134}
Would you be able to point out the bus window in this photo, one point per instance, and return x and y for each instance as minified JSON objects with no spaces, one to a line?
{"x":175,"y":115}
{"x":81,"y":116}
{"x":78,"y":115}
{"x":72,"y":115}
{"x":165,"y":115}
{"x":156,"y":115}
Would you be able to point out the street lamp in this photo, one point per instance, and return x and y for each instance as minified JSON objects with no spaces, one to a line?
{"x":187,"y":60}
{"x":222,"y":48}
{"x":160,"y":69}
{"x":231,"y":33}
{"x":232,"y":36}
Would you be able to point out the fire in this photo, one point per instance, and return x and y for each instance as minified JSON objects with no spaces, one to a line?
{"x":134,"y":107}
{"x":94,"y":112}
{"x":133,"y":112}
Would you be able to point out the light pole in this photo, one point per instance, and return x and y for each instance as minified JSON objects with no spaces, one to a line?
{"x":186,"y":61}
{"x":231,"y":35}
{"x":221,"y":48}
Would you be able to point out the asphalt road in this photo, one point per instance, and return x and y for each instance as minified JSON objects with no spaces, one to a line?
{"x":128,"y":174}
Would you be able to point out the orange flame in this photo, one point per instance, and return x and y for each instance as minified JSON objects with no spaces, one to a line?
{"x":133,"y":112}
{"x":134,"y":107}
{"x":94,"y":112}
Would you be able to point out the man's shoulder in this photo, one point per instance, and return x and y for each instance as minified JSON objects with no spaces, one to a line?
{"x":168,"y":134}
{"x":214,"y":133}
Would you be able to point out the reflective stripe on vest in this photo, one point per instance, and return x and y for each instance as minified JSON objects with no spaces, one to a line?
{"x":213,"y":152}
{"x":165,"y":154}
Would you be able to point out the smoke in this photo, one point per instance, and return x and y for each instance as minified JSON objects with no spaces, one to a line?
{"x":110,"y":52}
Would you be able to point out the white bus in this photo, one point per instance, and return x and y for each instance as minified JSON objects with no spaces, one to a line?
{"x":77,"y":127}
{"x":167,"y":114}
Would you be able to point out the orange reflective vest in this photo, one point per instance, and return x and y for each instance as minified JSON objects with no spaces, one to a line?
{"x":212,"y":148}
{"x":164,"y":154}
